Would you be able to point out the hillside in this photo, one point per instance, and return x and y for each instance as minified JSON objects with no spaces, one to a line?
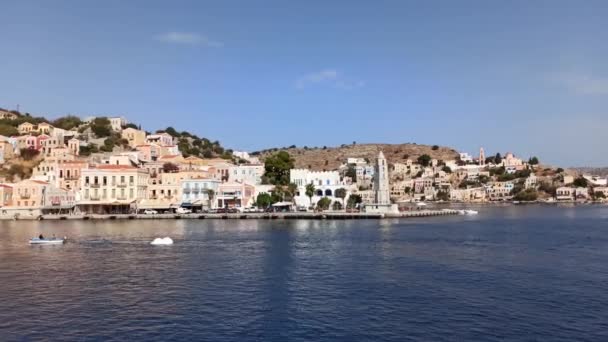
{"x":330,"y":158}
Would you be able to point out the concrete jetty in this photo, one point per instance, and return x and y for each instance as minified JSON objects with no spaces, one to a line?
{"x":258,"y":216}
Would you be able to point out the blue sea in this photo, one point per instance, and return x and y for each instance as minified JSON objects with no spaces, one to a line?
{"x":513,"y":273}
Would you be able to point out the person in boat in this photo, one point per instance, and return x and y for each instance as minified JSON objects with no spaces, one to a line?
{"x":40,"y":237}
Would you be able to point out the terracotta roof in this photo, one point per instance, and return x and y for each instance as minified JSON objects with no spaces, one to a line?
{"x":5,"y":186}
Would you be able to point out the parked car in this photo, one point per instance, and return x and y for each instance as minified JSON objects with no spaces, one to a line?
{"x":150,"y":212}
{"x":302,"y":208}
{"x":182,"y":210}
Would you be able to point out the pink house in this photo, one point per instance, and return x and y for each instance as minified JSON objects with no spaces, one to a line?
{"x":234,"y":195}
{"x":40,"y":139}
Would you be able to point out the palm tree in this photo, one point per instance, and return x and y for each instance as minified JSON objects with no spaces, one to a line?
{"x":292,"y":189}
{"x":210,"y":194}
{"x":340,"y":193}
{"x":310,"y":191}
{"x":279,"y":191}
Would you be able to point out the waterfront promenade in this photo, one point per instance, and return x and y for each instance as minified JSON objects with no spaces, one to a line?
{"x":267,"y":216}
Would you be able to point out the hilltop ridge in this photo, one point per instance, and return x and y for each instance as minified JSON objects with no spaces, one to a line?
{"x":330,"y":158}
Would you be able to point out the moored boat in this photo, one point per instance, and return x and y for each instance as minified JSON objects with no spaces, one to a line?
{"x":53,"y":241}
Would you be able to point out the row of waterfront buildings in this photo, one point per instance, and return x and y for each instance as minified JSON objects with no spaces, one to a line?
{"x":152,"y":174}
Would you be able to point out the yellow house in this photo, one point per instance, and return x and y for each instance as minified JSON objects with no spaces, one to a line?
{"x":44,"y":128}
{"x":112,"y":189}
{"x":134,"y":136}
{"x":25,"y":128}
{"x":6,"y":115}
{"x":29,"y":194}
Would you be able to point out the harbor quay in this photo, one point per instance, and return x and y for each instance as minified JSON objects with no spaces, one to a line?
{"x":233,"y":216}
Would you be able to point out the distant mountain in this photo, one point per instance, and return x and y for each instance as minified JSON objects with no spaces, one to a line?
{"x":330,"y":158}
{"x":596,"y":171}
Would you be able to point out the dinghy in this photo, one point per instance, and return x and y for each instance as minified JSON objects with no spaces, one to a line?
{"x":53,"y":241}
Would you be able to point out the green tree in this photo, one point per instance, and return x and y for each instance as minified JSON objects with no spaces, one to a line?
{"x":580,"y":182}
{"x":443,"y":195}
{"x":277,"y":168}
{"x":599,"y":195}
{"x":323,"y":203}
{"x":527,"y":195}
{"x":310,"y":191}
{"x":292,"y":191}
{"x":86,"y":151}
{"x":101,"y":127}
{"x":352,"y":173}
{"x":497,"y":158}
{"x":354,"y":200}
{"x":446,"y":169}
{"x":28,"y":153}
{"x":264,"y":200}
{"x":559,"y":170}
{"x":170,"y":168}
{"x":336,"y":206}
{"x":67,"y":122}
{"x":435,"y":147}
{"x":533,"y":161}
{"x":341,"y":194}
{"x":8,"y":130}
{"x":424,"y":160}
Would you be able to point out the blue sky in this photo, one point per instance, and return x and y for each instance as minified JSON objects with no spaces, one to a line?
{"x":529,"y":77}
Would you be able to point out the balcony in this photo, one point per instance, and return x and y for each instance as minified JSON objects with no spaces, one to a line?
{"x":72,"y":178}
{"x":25,"y":196}
{"x":95,"y":185}
{"x":153,"y":197}
{"x":121,"y":198}
{"x":187,"y":190}
{"x":95,"y":197}
{"x":196,"y":190}
{"x":121,"y":185}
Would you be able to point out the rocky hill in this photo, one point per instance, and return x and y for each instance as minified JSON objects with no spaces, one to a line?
{"x":330,"y":158}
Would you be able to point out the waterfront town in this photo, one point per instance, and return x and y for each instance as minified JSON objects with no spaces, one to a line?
{"x":106,"y":165}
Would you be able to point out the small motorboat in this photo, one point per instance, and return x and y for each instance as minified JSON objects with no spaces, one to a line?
{"x":468,"y":212}
{"x":162,"y":241}
{"x":52,"y":241}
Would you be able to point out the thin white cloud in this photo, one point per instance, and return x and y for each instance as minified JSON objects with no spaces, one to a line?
{"x":187,"y":38}
{"x":329,"y":77}
{"x":581,"y":83}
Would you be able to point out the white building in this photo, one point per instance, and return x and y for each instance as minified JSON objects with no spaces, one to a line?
{"x":465,"y":157}
{"x":325,"y":182}
{"x":162,"y":139}
{"x":595,"y":180}
{"x":117,"y":123}
{"x":246,"y":173}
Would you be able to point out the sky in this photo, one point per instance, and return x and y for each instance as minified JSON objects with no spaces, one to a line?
{"x":529,"y":77}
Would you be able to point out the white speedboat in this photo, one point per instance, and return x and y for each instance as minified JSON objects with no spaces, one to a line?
{"x":162,"y":241}
{"x":468,"y":212}
{"x":53,"y":241}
